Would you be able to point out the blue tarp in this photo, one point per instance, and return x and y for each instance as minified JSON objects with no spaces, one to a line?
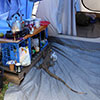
{"x":78,"y":64}
{"x":11,"y":7}
{"x":4,"y":6}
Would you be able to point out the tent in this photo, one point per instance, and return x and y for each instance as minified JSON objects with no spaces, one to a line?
{"x":88,"y":6}
{"x":78,"y":58}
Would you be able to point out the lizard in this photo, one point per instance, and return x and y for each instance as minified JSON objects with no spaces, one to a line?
{"x":45,"y":66}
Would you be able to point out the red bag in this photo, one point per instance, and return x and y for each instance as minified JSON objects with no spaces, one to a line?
{"x":44,"y":23}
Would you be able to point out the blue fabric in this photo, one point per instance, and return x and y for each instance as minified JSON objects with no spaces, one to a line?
{"x":11,"y":7}
{"x":4,"y":6}
{"x":7,"y":9}
{"x":29,"y":9}
{"x":26,"y":8}
{"x":4,"y":9}
{"x":14,"y":7}
{"x":4,"y":26}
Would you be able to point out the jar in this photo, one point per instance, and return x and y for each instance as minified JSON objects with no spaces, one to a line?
{"x":18,"y":67}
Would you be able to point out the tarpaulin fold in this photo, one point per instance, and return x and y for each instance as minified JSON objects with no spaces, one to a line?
{"x":78,"y":64}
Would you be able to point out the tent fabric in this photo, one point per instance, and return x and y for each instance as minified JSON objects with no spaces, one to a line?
{"x":92,"y":5}
{"x":61,"y":14}
{"x":88,"y":6}
{"x":14,"y":7}
{"x":91,"y":31}
{"x":7,"y":9}
{"x":78,"y":64}
{"x":10,"y":7}
{"x":4,"y":9}
{"x":4,"y":6}
{"x":3,"y":26}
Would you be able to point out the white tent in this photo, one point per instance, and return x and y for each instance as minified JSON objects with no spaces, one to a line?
{"x":78,"y":58}
{"x":88,"y":5}
{"x":61,"y":16}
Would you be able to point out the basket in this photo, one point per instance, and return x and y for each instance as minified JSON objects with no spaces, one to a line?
{"x":9,"y":52}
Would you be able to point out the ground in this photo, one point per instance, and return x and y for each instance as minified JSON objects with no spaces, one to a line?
{"x":5,"y":87}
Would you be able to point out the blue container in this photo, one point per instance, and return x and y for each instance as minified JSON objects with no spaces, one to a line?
{"x":10,"y":51}
{"x":46,"y":36}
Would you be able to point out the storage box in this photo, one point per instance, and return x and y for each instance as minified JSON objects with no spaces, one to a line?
{"x":10,"y":51}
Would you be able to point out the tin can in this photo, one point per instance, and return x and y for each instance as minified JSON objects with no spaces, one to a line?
{"x":18,"y":67}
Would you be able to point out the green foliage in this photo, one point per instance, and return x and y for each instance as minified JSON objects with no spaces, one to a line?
{"x":5,"y":87}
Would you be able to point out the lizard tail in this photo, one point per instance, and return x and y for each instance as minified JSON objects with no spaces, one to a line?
{"x":56,"y":77}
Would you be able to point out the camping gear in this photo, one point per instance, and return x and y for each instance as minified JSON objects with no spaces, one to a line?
{"x":77,"y":63}
{"x":88,"y":6}
{"x":24,"y":56}
{"x":44,"y":23}
{"x":16,"y":26}
{"x":82,"y":19}
{"x":11,"y":67}
{"x":9,"y":35}
{"x":22,"y":33}
{"x":1,"y":35}
{"x":53,"y":56}
{"x":18,"y":35}
{"x":37,"y":22}
{"x":36,"y":44}
{"x":11,"y":64}
{"x":10,"y":51}
{"x":16,"y":76}
{"x":18,"y":67}
{"x":1,"y":78}
{"x":37,"y":49}
{"x":29,"y":23}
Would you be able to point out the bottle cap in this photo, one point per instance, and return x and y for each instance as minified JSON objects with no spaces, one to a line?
{"x":18,"y":64}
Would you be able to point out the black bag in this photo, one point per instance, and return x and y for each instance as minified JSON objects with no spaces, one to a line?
{"x":19,"y":34}
{"x":82,"y":19}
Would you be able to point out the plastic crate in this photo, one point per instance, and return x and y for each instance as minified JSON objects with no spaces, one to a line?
{"x":10,"y":51}
{"x":42,"y":47}
{"x":1,"y":78}
{"x":45,"y":37}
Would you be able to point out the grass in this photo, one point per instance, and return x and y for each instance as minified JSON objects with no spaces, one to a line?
{"x":5,"y":87}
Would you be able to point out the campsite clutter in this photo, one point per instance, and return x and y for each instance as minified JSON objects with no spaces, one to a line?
{"x":24,"y":45}
{"x":26,"y":39}
{"x":20,"y":55}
